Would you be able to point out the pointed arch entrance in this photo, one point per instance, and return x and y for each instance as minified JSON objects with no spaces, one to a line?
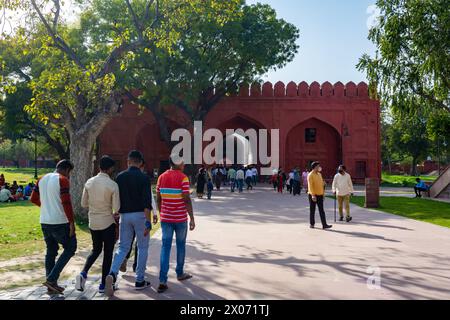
{"x":241,"y":143}
{"x":314,"y":140}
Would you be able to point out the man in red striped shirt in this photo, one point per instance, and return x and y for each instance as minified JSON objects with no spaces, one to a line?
{"x":174,"y":204}
{"x":52,"y":195}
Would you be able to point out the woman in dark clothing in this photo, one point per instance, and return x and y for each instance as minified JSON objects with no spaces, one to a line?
{"x":201,"y":180}
{"x":218,"y":178}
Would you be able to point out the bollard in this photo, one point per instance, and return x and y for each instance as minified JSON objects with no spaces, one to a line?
{"x":372,"y":193}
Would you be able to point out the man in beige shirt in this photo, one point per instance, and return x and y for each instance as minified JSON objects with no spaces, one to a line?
{"x":101,"y":196}
{"x":343,"y":188}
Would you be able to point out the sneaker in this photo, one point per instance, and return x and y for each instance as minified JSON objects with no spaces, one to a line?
{"x":53,"y":287}
{"x":348,"y":219}
{"x":162,"y":287}
{"x":328,"y":226}
{"x":80,"y":281}
{"x":110,"y":283}
{"x":311,"y":226}
{"x":142,"y":285}
{"x":101,"y":288}
{"x":341,"y":219}
{"x":123,"y":266}
{"x":184,"y":276}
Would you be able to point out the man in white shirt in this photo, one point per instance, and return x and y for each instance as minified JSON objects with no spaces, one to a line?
{"x":240,"y":179}
{"x":255,"y":175}
{"x":249,"y":178}
{"x":343,"y":188}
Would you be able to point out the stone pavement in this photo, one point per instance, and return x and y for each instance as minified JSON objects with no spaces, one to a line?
{"x":258,"y":245}
{"x":40,"y":293}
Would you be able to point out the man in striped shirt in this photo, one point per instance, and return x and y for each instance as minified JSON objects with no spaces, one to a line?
{"x":174,"y":204}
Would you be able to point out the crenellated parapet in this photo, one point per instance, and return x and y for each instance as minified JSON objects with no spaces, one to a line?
{"x":304,"y":90}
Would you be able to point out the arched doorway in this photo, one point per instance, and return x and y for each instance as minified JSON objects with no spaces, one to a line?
{"x":314,"y":140}
{"x":241,"y":142}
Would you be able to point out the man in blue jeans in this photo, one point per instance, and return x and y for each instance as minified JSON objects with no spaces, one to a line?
{"x":52,"y":195}
{"x":135,"y":217}
{"x":174,"y":204}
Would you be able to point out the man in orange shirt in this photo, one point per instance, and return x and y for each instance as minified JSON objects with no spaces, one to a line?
{"x":316,"y":190}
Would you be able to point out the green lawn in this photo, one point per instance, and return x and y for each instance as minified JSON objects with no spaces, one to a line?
{"x":22,"y":175}
{"x":419,"y":209}
{"x":20,"y":231}
{"x":389,"y":180}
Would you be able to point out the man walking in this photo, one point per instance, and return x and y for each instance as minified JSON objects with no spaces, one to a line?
{"x":135,"y":217}
{"x":101,"y":197}
{"x":51,"y":194}
{"x":342,"y":187}
{"x":255,"y":175}
{"x":316,"y":190}
{"x":232,"y":178}
{"x":174,"y":204}
{"x":240,"y":179}
{"x":249,"y":178}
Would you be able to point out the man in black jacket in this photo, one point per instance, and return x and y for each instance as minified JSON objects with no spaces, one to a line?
{"x":135,"y":218}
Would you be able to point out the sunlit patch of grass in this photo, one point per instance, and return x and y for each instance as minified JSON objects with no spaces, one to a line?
{"x":431,"y":211}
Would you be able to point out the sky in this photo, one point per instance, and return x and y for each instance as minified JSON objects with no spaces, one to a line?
{"x":333,"y":36}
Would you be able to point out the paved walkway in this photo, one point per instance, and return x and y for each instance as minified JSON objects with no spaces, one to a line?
{"x":258,"y":245}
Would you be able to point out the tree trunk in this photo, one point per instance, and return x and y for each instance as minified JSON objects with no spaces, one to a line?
{"x":414,"y":166}
{"x":81,"y":153}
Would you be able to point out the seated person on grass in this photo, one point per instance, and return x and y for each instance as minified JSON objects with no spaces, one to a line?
{"x":19,"y":194}
{"x":5,"y":195}
{"x":14,"y":188}
{"x":420,"y":187}
{"x":27,"y":191}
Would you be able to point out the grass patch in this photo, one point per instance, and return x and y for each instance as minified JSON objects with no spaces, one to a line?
{"x":20,"y":230}
{"x":388,"y":180}
{"x":435,"y":212}
{"x":22,"y":175}
{"x":21,"y":234}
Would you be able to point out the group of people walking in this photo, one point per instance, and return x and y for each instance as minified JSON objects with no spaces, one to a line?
{"x":122,"y":210}
{"x":293,"y":181}
{"x":314,"y":184}
{"x":234,"y":176}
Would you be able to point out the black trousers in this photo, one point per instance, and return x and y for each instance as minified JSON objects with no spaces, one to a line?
{"x":419,"y":190}
{"x":312,"y":210}
{"x":102,"y":240}
{"x":296,"y":188}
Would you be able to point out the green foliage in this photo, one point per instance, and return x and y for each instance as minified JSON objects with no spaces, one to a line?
{"x":411,"y":67}
{"x":390,"y":180}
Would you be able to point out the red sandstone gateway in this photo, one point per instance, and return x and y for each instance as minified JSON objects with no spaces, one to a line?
{"x":332,"y":124}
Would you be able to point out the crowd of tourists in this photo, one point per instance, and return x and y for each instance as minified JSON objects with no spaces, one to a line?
{"x":14,"y":192}
{"x":233,"y":177}
{"x":119,"y":209}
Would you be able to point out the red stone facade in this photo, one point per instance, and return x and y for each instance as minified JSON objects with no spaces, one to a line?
{"x":330,"y":123}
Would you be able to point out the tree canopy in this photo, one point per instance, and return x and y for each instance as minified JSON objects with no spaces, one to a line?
{"x":411,"y":67}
